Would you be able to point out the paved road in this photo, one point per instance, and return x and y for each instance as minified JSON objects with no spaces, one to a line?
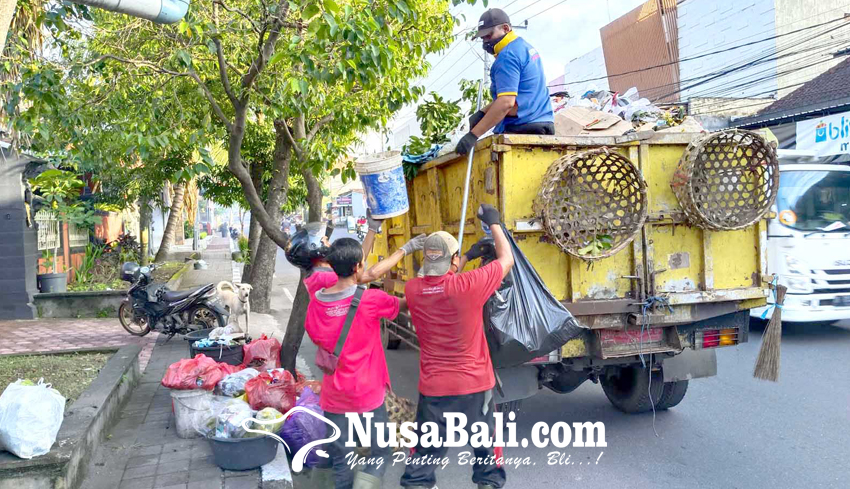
{"x":730,"y":431}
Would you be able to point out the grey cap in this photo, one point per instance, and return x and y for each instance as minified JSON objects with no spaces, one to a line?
{"x":491,"y":19}
{"x":437,"y":253}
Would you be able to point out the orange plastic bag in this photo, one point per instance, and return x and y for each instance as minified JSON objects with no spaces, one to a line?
{"x":314,"y":385}
{"x":275,"y":389}
{"x":262,"y":354}
{"x":201,"y":372}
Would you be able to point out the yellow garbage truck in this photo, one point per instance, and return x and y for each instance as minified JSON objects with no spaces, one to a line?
{"x":655,"y":242}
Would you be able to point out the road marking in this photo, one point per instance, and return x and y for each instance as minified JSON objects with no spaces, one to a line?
{"x":288,"y":295}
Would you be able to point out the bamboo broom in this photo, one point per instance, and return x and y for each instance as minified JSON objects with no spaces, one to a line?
{"x":767,"y":363}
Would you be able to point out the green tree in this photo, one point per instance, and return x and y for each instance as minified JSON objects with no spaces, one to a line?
{"x":322,"y":71}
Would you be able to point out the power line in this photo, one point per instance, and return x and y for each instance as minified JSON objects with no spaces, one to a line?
{"x":774,"y":55}
{"x":680,"y":90}
{"x":699,"y":56}
{"x":445,"y":56}
{"x":447,"y":70}
{"x":527,"y":6}
{"x":546,"y":10}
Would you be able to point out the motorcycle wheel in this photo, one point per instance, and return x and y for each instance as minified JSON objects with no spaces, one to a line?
{"x":205,"y":317}
{"x":135,"y":327}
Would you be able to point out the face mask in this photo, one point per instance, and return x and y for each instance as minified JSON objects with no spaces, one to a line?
{"x":490,"y":46}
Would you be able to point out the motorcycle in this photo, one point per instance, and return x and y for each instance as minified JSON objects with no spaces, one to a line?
{"x":362,"y":229}
{"x":154,"y":307}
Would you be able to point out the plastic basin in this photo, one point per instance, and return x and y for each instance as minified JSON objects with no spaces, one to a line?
{"x":243,"y":453}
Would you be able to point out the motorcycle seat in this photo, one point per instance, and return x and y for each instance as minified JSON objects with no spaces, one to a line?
{"x":179,"y":295}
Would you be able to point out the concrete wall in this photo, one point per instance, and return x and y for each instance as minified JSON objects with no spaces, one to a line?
{"x":727,"y":107}
{"x":706,"y":26}
{"x":585,"y":67}
{"x":792,"y":15}
{"x":79,"y":304}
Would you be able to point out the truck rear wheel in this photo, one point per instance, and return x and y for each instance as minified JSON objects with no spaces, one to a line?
{"x":672,"y":394}
{"x":390,"y":341}
{"x":630,"y":391}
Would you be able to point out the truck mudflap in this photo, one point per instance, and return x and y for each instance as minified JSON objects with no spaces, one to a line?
{"x":690,"y":364}
{"x":517,"y":383}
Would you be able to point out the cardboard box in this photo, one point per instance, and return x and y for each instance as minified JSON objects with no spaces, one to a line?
{"x":583,"y":121}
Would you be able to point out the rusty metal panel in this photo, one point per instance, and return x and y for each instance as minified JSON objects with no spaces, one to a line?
{"x":644,"y":38}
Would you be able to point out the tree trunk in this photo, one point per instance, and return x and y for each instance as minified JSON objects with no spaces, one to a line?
{"x":175,"y":216}
{"x":295,"y":326}
{"x":144,"y":231}
{"x":254,"y":233}
{"x":254,"y":228}
{"x":263,"y":263}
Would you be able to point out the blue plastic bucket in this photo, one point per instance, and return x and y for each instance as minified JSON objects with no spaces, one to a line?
{"x":383,"y":182}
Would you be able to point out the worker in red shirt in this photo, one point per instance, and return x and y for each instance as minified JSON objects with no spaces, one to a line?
{"x":455,"y":370}
{"x":361,"y":378}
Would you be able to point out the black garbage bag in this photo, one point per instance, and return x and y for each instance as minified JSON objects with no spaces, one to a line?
{"x":523,"y":320}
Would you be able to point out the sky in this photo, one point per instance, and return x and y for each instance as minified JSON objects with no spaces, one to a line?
{"x":560,"y":30}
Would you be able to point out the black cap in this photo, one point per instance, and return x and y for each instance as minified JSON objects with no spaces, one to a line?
{"x":491,"y":19}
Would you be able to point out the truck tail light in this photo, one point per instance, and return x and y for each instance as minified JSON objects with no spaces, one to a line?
{"x":713,"y":338}
{"x":710,"y":338}
{"x":728,"y":337}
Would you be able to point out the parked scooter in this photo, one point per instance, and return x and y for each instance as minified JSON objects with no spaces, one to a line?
{"x":153,"y":307}
{"x":362,"y":228}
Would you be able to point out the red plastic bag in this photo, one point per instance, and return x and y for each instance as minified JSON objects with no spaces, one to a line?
{"x":275,"y":389}
{"x":227,"y":369}
{"x":262,"y":354}
{"x":201,"y":372}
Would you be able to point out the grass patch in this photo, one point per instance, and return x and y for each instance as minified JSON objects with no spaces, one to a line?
{"x":70,"y":373}
{"x":166,"y":270}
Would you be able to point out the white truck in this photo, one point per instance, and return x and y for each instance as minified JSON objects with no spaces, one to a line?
{"x":809,"y":238}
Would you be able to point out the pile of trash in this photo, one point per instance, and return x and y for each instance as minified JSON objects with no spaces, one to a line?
{"x":606,"y":113}
{"x":231,"y":402}
{"x":30,"y":417}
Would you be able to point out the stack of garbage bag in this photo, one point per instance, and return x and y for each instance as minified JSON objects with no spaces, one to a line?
{"x":225,"y":402}
{"x":201,"y":372}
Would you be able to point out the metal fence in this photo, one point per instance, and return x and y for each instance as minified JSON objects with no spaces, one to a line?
{"x":49,"y":232}
{"x":48,"y":229}
{"x":77,"y":236}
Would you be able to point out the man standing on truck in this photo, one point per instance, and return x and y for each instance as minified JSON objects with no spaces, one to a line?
{"x":455,"y":370}
{"x":520,"y":96}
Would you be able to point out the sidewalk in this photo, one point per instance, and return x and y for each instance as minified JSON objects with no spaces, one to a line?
{"x":49,"y":335}
{"x":142,"y":451}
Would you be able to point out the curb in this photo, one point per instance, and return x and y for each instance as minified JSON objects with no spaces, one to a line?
{"x":82,"y":429}
{"x":177,"y":278}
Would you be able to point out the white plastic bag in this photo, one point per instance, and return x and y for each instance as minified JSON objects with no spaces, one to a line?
{"x":234,"y":384}
{"x":30,"y":418}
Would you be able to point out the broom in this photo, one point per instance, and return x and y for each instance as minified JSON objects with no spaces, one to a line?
{"x":767,"y":363}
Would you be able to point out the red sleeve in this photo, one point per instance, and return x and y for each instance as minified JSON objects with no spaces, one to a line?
{"x":481,"y":282}
{"x":318,"y":281}
{"x":380,"y":304}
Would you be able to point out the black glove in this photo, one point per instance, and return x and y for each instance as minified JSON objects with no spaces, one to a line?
{"x":475,"y":118}
{"x":488,"y":214}
{"x":466,"y":143}
{"x":483,"y":247}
